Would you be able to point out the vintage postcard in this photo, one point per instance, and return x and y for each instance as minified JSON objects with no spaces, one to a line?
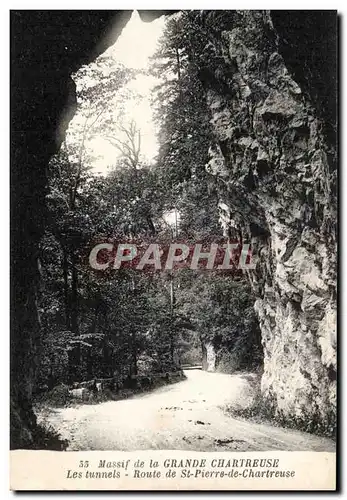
{"x":174,"y":250}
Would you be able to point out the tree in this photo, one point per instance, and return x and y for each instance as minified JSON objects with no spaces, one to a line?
{"x":181,"y":105}
{"x":129,"y":146}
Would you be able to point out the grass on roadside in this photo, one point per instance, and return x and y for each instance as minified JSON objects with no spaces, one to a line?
{"x":263,"y":411}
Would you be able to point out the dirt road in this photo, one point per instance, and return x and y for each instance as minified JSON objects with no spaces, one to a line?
{"x":184,"y":416}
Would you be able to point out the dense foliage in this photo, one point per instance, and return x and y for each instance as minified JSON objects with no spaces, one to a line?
{"x":124,"y":321}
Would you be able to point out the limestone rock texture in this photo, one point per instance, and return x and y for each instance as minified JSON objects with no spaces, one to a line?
{"x":274,"y":160}
{"x":209,"y":357}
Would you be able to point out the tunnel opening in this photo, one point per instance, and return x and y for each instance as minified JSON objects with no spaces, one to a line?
{"x":120,"y":152}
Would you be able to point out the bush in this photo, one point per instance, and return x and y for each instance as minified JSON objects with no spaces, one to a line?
{"x":47,"y":438}
{"x":59,"y":396}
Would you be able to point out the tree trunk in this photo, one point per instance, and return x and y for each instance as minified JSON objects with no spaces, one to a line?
{"x":66,"y":291}
{"x":95,"y":319}
{"x":134,"y":353}
{"x":76,"y":368}
{"x":179,"y":72}
{"x":90,"y":371}
{"x":74,"y":297}
{"x":172,"y":317}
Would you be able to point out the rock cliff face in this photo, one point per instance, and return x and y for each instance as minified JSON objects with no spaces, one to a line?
{"x":274,"y":161}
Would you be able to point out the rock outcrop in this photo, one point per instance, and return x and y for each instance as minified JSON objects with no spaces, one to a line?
{"x":274,"y":162}
{"x":209,"y":357}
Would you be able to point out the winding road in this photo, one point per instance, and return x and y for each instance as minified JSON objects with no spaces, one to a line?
{"x":184,"y":416}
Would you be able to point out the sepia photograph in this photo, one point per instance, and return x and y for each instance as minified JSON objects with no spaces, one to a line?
{"x":173,"y":188}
